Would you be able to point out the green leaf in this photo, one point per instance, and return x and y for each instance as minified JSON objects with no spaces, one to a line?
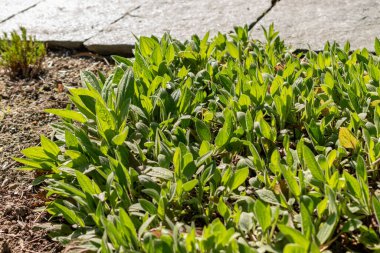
{"x":306,"y":218}
{"x":69,"y":214}
{"x":376,"y":209}
{"x":203,"y":130}
{"x":263,"y":214}
{"x":191,"y":55}
{"x":224,"y":134}
{"x":294,"y":248}
{"x":91,"y":81}
{"x":153,"y":193}
{"x":289,"y":70}
{"x":233,"y":50}
{"x":170,"y":54}
{"x":329,"y":80}
{"x":161,"y":209}
{"x":146,"y":45}
{"x":113,"y":233}
{"x":145,"y":226}
{"x":326,"y":229}
{"x":353,"y":185}
{"x":69,"y":189}
{"x":352,"y":225}
{"x":249,"y":121}
{"x":148,"y":206}
{"x":361,"y":170}
{"x":377,"y":46}
{"x":71,"y":140}
{"x":36,"y":153}
{"x":188,"y":186}
{"x":105,"y":121}
{"x":257,"y":160}
{"x":49,"y":146}
{"x":245,"y":222}
{"x":321,"y":61}
{"x":223,"y":209}
{"x":294,"y":236}
{"x":276,"y":84}
{"x":68,"y":114}
{"x":29,"y":162}
{"x":119,"y":60}
{"x":178,"y":162}
{"x":244,"y":101}
{"x":267,"y":196}
{"x":312,"y":164}
{"x":157,"y":56}
{"x":86,"y":184}
{"x":222,"y":137}
{"x":124,"y":95}
{"x":266,"y":130}
{"x":291,"y":180}
{"x":121,"y":137}
{"x":239,"y":178}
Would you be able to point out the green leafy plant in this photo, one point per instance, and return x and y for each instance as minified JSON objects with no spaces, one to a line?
{"x":223,"y":144}
{"x":21,"y":55}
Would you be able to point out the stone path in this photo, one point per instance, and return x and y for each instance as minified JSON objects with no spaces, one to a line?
{"x":181,"y":18}
{"x":304,"y":23}
{"x":109,"y":26}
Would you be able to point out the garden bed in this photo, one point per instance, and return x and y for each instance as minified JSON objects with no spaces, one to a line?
{"x":214,"y":144}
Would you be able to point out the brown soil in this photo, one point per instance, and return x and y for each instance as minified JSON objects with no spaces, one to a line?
{"x":22,"y":120}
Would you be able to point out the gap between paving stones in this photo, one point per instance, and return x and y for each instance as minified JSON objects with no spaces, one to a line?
{"x":115,"y":49}
{"x":252,"y":25}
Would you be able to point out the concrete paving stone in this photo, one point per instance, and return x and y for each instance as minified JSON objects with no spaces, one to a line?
{"x":68,"y":23}
{"x":181,"y":18}
{"x":313,"y":22}
{"x":10,"y":8}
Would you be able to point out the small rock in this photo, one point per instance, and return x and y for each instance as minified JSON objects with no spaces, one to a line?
{"x":8,"y":209}
{"x":12,"y":186}
{"x":22,"y":211}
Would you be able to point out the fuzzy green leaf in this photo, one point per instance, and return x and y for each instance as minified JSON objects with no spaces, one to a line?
{"x":312,"y":164}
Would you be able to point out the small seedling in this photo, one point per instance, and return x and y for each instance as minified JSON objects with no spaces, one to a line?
{"x":21,"y":54}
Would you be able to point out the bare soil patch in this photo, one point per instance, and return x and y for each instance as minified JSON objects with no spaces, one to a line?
{"x":22,"y":121}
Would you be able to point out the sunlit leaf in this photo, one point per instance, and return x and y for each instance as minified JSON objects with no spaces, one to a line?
{"x":347,"y":139}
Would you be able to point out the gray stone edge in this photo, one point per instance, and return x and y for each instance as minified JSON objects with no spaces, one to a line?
{"x":116,"y":49}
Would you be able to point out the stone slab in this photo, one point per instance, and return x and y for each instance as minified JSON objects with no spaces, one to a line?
{"x":68,"y":23}
{"x":181,"y":18}
{"x":9,"y":8}
{"x":313,"y":22}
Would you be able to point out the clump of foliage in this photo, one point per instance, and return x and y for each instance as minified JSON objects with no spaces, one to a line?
{"x":216,"y":145}
{"x":21,"y":55}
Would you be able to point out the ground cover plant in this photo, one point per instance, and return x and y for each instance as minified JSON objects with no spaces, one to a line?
{"x":21,"y":54}
{"x":224,"y":144}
